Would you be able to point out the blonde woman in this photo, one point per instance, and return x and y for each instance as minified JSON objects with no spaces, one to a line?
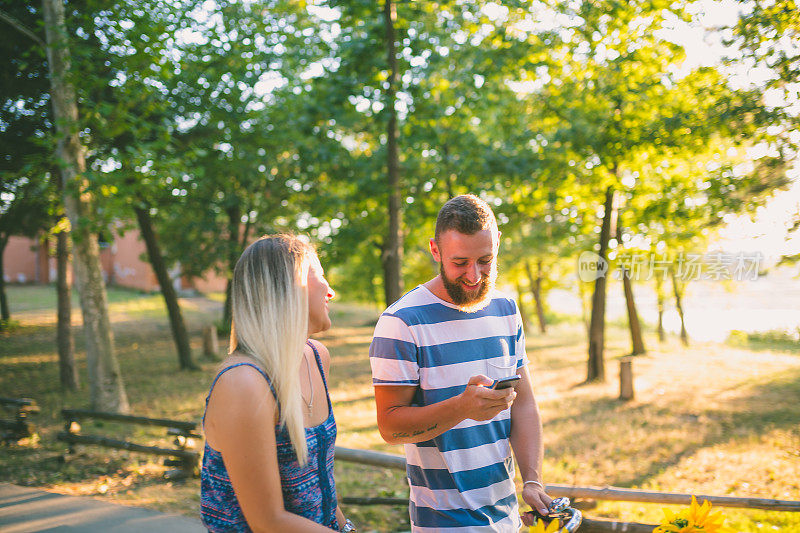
{"x":270,"y":431}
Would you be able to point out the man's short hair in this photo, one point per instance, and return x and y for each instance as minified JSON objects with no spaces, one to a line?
{"x":466,"y":214}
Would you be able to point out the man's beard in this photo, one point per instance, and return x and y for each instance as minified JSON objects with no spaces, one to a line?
{"x":471,"y":301}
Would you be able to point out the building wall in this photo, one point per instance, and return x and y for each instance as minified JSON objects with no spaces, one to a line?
{"x":210,"y":282}
{"x":129,"y":266}
{"x":124,"y":264}
{"x":22,"y":261}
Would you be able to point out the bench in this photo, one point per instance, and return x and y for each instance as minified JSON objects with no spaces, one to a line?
{"x":183,"y":455}
{"x":18,"y":427}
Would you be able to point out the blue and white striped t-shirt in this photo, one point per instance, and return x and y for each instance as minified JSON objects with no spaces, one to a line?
{"x":461,"y":480}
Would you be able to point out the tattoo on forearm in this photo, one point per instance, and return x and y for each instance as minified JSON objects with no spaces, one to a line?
{"x":421,"y":431}
{"x":416,"y":433}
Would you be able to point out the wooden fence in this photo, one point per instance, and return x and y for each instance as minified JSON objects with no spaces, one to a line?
{"x":398,"y":462}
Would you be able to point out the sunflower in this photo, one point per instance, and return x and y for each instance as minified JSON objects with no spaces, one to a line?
{"x":539,"y":527}
{"x":696,"y":519}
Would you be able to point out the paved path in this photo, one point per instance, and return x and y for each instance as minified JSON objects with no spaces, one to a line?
{"x":26,"y":510}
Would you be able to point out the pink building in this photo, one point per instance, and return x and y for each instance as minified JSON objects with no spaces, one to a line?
{"x":124,"y":264}
{"x":26,"y":261}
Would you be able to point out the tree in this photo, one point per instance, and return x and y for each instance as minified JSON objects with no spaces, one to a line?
{"x":767,"y":32}
{"x":684,"y":202}
{"x":367,"y":187}
{"x":23,"y":120}
{"x":596,"y":364}
{"x":242,"y":119}
{"x":107,"y":391}
{"x":68,"y":370}
{"x":24,"y":206}
{"x":451,"y":105}
{"x":166,"y":287}
{"x":634,"y":326}
{"x":613,"y":96}
{"x":130,"y":153}
{"x":27,"y":134}
{"x":392,"y":255}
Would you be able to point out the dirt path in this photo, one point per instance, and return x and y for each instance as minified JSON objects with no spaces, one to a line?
{"x":26,"y":510}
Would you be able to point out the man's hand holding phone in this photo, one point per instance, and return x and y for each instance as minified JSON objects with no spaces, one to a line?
{"x":505,"y":383}
{"x":481,"y":401}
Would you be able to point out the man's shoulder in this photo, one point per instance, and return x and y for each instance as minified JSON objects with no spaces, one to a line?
{"x":501,"y":304}
{"x":498,"y":295}
{"x":415,"y":298}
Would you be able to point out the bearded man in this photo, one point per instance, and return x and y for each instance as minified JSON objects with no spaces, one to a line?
{"x":435,"y":356}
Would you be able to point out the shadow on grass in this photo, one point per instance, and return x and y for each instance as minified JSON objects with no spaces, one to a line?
{"x":621,"y":430}
{"x":28,"y":339}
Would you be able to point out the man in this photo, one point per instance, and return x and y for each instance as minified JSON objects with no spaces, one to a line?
{"x":435,"y":354}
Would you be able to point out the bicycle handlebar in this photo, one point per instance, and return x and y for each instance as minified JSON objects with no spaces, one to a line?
{"x":568,"y":517}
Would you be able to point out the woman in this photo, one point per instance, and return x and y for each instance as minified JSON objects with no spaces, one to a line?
{"x":270,"y":431}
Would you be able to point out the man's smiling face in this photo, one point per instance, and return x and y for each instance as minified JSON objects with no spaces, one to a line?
{"x":467,"y":265}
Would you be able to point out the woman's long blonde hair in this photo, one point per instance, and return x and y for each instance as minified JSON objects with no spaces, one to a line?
{"x":269,"y":300}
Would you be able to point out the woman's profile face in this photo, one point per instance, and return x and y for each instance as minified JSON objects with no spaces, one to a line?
{"x":319,"y":292}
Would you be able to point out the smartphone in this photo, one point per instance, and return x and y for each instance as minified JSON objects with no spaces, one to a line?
{"x":504,"y":383}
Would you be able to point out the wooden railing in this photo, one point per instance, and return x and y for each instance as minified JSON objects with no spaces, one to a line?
{"x":398,"y":462}
{"x":183,"y":455}
{"x":18,"y":427}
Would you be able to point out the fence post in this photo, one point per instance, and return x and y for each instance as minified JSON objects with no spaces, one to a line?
{"x":210,"y":343}
{"x":626,"y":379}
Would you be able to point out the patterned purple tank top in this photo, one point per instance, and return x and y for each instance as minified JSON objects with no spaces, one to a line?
{"x":308,"y":491}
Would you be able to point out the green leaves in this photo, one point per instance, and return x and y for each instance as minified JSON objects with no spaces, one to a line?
{"x":768,"y":33}
{"x":234,"y":118}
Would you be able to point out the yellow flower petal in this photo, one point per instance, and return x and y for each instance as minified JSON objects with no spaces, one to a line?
{"x":538,"y":527}
{"x":553,"y":527}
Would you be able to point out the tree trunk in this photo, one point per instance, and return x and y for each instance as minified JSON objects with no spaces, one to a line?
{"x":634,"y":325}
{"x":523,"y":313}
{"x":107,"y":391}
{"x":662,"y":336}
{"x":582,"y":292}
{"x":210,"y":343}
{"x":234,"y":223}
{"x":536,"y":291}
{"x":392,"y":254}
{"x":678,"y":291}
{"x":227,"y":309}
{"x":176,"y":322}
{"x":596,"y":365}
{"x":5,"y":313}
{"x":68,"y":370}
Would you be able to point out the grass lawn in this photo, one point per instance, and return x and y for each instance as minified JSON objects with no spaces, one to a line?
{"x":708,"y":419}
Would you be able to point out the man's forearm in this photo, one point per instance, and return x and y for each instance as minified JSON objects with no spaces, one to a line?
{"x":409,"y":424}
{"x":526,"y":440}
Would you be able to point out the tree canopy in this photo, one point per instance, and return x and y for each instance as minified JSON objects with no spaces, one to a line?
{"x":224,"y":120}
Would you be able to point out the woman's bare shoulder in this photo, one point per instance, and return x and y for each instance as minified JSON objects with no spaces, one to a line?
{"x":240,"y":399}
{"x":242,"y":384}
{"x":324,"y":354}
